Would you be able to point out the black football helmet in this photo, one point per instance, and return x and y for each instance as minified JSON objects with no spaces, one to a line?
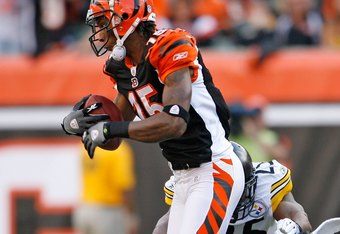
{"x":246,"y":202}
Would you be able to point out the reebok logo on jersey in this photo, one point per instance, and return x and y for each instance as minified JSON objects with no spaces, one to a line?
{"x":181,"y":55}
{"x":174,"y":110}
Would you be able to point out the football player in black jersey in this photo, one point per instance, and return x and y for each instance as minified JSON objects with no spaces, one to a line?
{"x":161,"y":78}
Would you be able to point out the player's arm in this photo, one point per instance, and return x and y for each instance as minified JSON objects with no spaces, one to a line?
{"x":164,"y":125}
{"x":289,"y":208}
{"x":125,"y":107}
{"x":169,"y":123}
{"x":162,"y":224}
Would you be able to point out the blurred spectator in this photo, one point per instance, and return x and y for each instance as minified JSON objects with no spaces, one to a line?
{"x":34,"y":26}
{"x":331,"y":34}
{"x":162,"y":13}
{"x":181,"y":15}
{"x":299,"y":24}
{"x":59,"y":23}
{"x":253,"y":22}
{"x":214,"y":11}
{"x":203,"y":19}
{"x":248,"y":129}
{"x":107,"y":204}
{"x":17,"y":27}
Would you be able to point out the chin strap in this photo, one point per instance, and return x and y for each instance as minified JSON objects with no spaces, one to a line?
{"x":111,"y":3}
{"x":119,"y":50}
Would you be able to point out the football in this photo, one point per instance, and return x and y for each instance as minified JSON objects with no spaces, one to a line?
{"x":109,"y":108}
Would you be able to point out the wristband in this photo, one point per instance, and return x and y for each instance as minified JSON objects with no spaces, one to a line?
{"x":116,"y":129}
{"x":177,"y":110}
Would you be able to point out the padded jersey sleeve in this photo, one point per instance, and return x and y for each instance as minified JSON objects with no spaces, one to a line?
{"x":282,"y":186}
{"x":173,"y":50}
{"x":277,"y":179}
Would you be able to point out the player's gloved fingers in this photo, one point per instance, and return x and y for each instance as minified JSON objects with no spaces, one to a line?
{"x":80,"y":105}
{"x":91,"y":108}
{"x":69,"y":132}
{"x":91,"y":151}
{"x":71,"y":124}
{"x":93,"y":119}
{"x":84,"y":137}
{"x":62,"y":126}
{"x":87,"y":143}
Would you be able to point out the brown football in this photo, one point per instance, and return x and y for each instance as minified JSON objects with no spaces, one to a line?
{"x":109,"y":108}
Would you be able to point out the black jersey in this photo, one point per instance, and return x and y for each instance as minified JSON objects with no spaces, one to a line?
{"x":167,"y":51}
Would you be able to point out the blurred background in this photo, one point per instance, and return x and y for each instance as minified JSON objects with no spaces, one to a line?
{"x":277,"y":63}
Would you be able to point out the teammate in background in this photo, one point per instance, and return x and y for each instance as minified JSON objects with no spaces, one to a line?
{"x":267,"y":204}
{"x":107,"y":201}
{"x":160,"y":76}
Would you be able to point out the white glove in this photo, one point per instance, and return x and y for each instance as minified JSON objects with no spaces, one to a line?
{"x":287,"y":226}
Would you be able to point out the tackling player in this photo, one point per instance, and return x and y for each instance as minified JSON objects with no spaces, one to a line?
{"x":160,"y":76}
{"x":267,"y":204}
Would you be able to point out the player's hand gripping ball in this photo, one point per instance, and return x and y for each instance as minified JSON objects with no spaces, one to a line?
{"x":80,"y":118}
{"x":109,"y":108}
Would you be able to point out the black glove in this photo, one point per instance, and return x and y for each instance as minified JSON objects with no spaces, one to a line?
{"x":93,"y":137}
{"x":80,"y":119}
{"x":81,"y":104}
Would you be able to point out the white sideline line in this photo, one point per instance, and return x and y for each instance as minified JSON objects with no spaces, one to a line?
{"x":276,"y":115}
{"x":31,"y":118}
{"x":301,"y":115}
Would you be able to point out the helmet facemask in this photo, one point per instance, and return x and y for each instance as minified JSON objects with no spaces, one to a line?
{"x":100,"y":22}
{"x":247,"y":199}
{"x":246,"y":202}
{"x":122,"y":18}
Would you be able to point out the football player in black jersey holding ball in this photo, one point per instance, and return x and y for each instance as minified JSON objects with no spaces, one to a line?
{"x":161,"y":78}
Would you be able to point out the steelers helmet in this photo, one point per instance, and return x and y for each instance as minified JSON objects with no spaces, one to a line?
{"x":121,"y":18}
{"x":246,"y":202}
